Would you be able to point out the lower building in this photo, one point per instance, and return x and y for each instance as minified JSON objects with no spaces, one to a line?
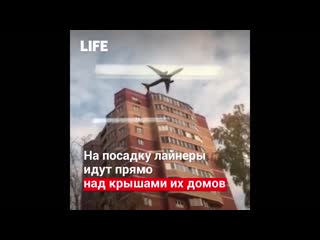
{"x":180,"y":130}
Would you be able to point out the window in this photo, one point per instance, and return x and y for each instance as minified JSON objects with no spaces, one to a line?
{"x":173,"y":166}
{"x":135,"y":108}
{"x":163,"y":117}
{"x":163,"y":128}
{"x":185,"y":169}
{"x":189,"y":135}
{"x":205,"y":162}
{"x":196,"y":202}
{"x":138,"y":118}
{"x":194,"y":171}
{"x":196,"y":137}
{"x":202,"y":173}
{"x":120,"y":108}
{"x":139,"y":130}
{"x":140,"y":141}
{"x":164,"y":139}
{"x":168,"y":166}
{"x":135,"y":99}
{"x":179,"y":203}
{"x":147,"y":202}
{"x":209,"y":175}
{"x":122,"y":143}
{"x":180,"y":167}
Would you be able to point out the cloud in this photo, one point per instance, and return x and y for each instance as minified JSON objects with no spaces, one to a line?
{"x":84,"y":129}
{"x":229,"y":51}
{"x":191,"y":72}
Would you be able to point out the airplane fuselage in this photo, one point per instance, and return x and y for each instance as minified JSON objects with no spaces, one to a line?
{"x":165,"y":77}
{"x":159,"y":81}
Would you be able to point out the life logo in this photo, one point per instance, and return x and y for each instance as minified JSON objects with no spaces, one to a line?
{"x":94,"y":46}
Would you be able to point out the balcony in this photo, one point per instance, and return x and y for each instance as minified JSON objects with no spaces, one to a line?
{"x":210,"y":196}
{"x":176,"y":173}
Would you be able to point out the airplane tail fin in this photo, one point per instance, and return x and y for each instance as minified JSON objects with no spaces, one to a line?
{"x":146,"y":85}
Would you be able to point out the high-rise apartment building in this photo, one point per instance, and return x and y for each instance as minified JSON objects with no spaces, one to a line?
{"x":182,"y":130}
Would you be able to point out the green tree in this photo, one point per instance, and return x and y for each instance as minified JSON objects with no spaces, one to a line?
{"x":233,"y":153}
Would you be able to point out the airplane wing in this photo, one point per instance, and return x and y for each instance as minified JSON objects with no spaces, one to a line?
{"x":175,"y":72}
{"x":167,"y":86}
{"x":157,"y":71}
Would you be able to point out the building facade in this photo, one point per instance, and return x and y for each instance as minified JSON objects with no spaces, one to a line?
{"x":180,"y":130}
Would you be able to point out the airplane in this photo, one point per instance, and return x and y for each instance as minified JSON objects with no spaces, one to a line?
{"x":165,"y":77}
